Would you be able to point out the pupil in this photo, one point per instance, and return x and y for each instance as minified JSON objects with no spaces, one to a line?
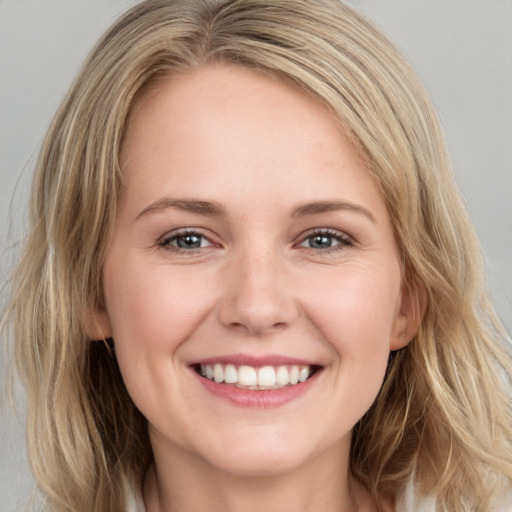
{"x":321,"y":242}
{"x":189,"y":242}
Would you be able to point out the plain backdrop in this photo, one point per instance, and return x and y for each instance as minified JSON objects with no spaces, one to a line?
{"x":462,"y":50}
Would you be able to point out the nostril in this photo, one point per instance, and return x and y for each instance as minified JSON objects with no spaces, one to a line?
{"x":258,"y":303}
{"x":258,"y":328}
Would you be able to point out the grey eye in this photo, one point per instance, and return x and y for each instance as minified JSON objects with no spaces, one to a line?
{"x":189,"y":241}
{"x":186,"y":241}
{"x":320,"y":241}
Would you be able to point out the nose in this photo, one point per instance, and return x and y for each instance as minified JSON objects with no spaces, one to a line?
{"x":258,"y":298}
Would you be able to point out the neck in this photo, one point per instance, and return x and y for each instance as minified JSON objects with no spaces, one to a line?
{"x":179,"y":482}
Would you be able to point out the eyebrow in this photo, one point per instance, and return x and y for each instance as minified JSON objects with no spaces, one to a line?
{"x":188,"y":205}
{"x":317,"y":207}
{"x":214,"y":208}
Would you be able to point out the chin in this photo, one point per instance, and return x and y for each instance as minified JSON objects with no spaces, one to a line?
{"x":264,"y":458}
{"x":259,"y":465}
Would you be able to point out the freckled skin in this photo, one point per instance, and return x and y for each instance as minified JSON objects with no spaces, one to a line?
{"x":256,"y":284}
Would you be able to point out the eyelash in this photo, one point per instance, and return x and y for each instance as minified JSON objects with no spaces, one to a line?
{"x":343,"y":240}
{"x":166,"y":240}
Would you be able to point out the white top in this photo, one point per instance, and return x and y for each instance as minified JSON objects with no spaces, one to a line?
{"x":410,"y":501}
{"x":135,"y":503}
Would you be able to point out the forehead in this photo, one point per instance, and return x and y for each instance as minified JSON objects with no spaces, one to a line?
{"x":237,"y":130}
{"x":245,"y":103}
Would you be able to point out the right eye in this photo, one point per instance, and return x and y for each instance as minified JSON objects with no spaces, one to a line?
{"x":187,"y":240}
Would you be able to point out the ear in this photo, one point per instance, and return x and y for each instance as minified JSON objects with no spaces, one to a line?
{"x":96,"y":324}
{"x":408,"y":317}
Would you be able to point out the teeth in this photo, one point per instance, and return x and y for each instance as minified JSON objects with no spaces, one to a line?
{"x":282,"y":376}
{"x":247,"y":376}
{"x":230,"y":374}
{"x":293,"y":375}
{"x":266,"y":377}
{"x":218,"y":373}
{"x":304,"y":373}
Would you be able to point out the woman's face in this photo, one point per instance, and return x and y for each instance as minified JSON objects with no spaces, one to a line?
{"x":250,"y":243}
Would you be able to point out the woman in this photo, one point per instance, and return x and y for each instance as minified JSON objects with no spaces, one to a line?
{"x":250,"y":281}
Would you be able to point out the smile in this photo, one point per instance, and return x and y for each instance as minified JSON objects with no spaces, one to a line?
{"x":254,"y":378}
{"x":256,"y":382}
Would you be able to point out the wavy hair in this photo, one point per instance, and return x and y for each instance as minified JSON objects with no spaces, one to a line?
{"x":444,"y":411}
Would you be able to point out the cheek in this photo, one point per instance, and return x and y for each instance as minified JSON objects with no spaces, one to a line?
{"x":151,"y":309}
{"x":357,"y":323}
{"x":151,"y":313}
{"x":357,"y":317}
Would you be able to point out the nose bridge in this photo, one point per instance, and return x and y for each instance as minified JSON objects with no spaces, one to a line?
{"x":260,"y":279}
{"x":258,"y":297}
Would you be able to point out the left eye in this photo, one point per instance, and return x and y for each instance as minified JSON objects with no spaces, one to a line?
{"x":325,"y":240}
{"x":187,"y":241}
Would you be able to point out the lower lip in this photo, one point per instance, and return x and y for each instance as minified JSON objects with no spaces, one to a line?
{"x":264,"y":398}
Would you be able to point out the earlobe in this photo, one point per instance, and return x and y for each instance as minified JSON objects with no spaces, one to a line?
{"x":96,"y":324}
{"x":409,"y":316}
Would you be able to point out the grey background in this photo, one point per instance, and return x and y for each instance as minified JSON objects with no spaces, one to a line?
{"x":462,"y":49}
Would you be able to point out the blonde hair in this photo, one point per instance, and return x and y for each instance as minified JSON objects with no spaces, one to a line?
{"x":443,"y":413}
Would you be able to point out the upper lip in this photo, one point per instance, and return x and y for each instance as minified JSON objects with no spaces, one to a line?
{"x":255,"y":361}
